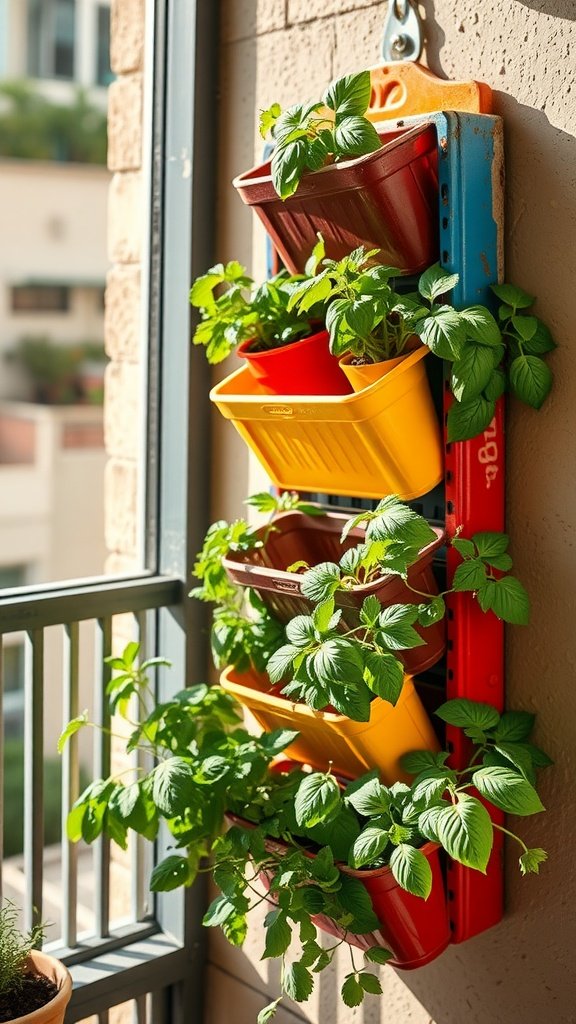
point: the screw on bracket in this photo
(403, 36)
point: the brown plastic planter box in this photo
(386, 200)
(315, 539)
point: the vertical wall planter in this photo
(315, 539)
(384, 440)
(386, 200)
(328, 737)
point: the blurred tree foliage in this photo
(34, 128)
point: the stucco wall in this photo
(522, 971)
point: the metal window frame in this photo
(165, 956)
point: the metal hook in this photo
(403, 36)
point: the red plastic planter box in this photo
(314, 539)
(386, 200)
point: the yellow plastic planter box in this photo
(382, 440)
(327, 737)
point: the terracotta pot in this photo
(303, 367)
(316, 539)
(415, 930)
(386, 200)
(54, 1011)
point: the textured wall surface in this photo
(521, 972)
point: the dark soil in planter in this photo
(36, 991)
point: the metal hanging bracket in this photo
(403, 37)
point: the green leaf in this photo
(370, 611)
(278, 934)
(496, 386)
(508, 600)
(472, 372)
(351, 700)
(435, 282)
(468, 713)
(338, 660)
(355, 899)
(421, 760)
(288, 165)
(354, 136)
(300, 631)
(443, 332)
(352, 992)
(317, 799)
(411, 870)
(432, 612)
(515, 726)
(530, 380)
(323, 616)
(320, 582)
(463, 547)
(202, 291)
(507, 790)
(359, 316)
(268, 119)
(465, 831)
(171, 781)
(394, 520)
(512, 296)
(281, 664)
(170, 874)
(384, 675)
(531, 860)
(370, 983)
(369, 797)
(267, 1013)
(339, 833)
(220, 910)
(540, 342)
(297, 982)
(368, 846)
(469, 575)
(378, 955)
(75, 725)
(276, 741)
(525, 326)
(349, 94)
(490, 544)
(481, 325)
(470, 418)
(431, 785)
(395, 629)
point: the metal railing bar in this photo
(139, 846)
(33, 775)
(70, 782)
(1, 764)
(51, 606)
(102, 746)
(90, 947)
(104, 1017)
(124, 974)
(140, 1015)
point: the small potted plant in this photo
(331, 171)
(34, 987)
(287, 351)
(358, 859)
(344, 722)
(370, 325)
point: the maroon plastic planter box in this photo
(386, 200)
(314, 539)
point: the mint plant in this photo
(365, 316)
(488, 356)
(309, 135)
(243, 631)
(293, 832)
(240, 312)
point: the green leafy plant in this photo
(309, 135)
(294, 829)
(34, 128)
(243, 631)
(488, 356)
(365, 316)
(322, 664)
(240, 312)
(15, 948)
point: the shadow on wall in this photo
(555, 8)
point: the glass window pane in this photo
(103, 72)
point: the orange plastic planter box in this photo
(327, 737)
(382, 440)
(315, 539)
